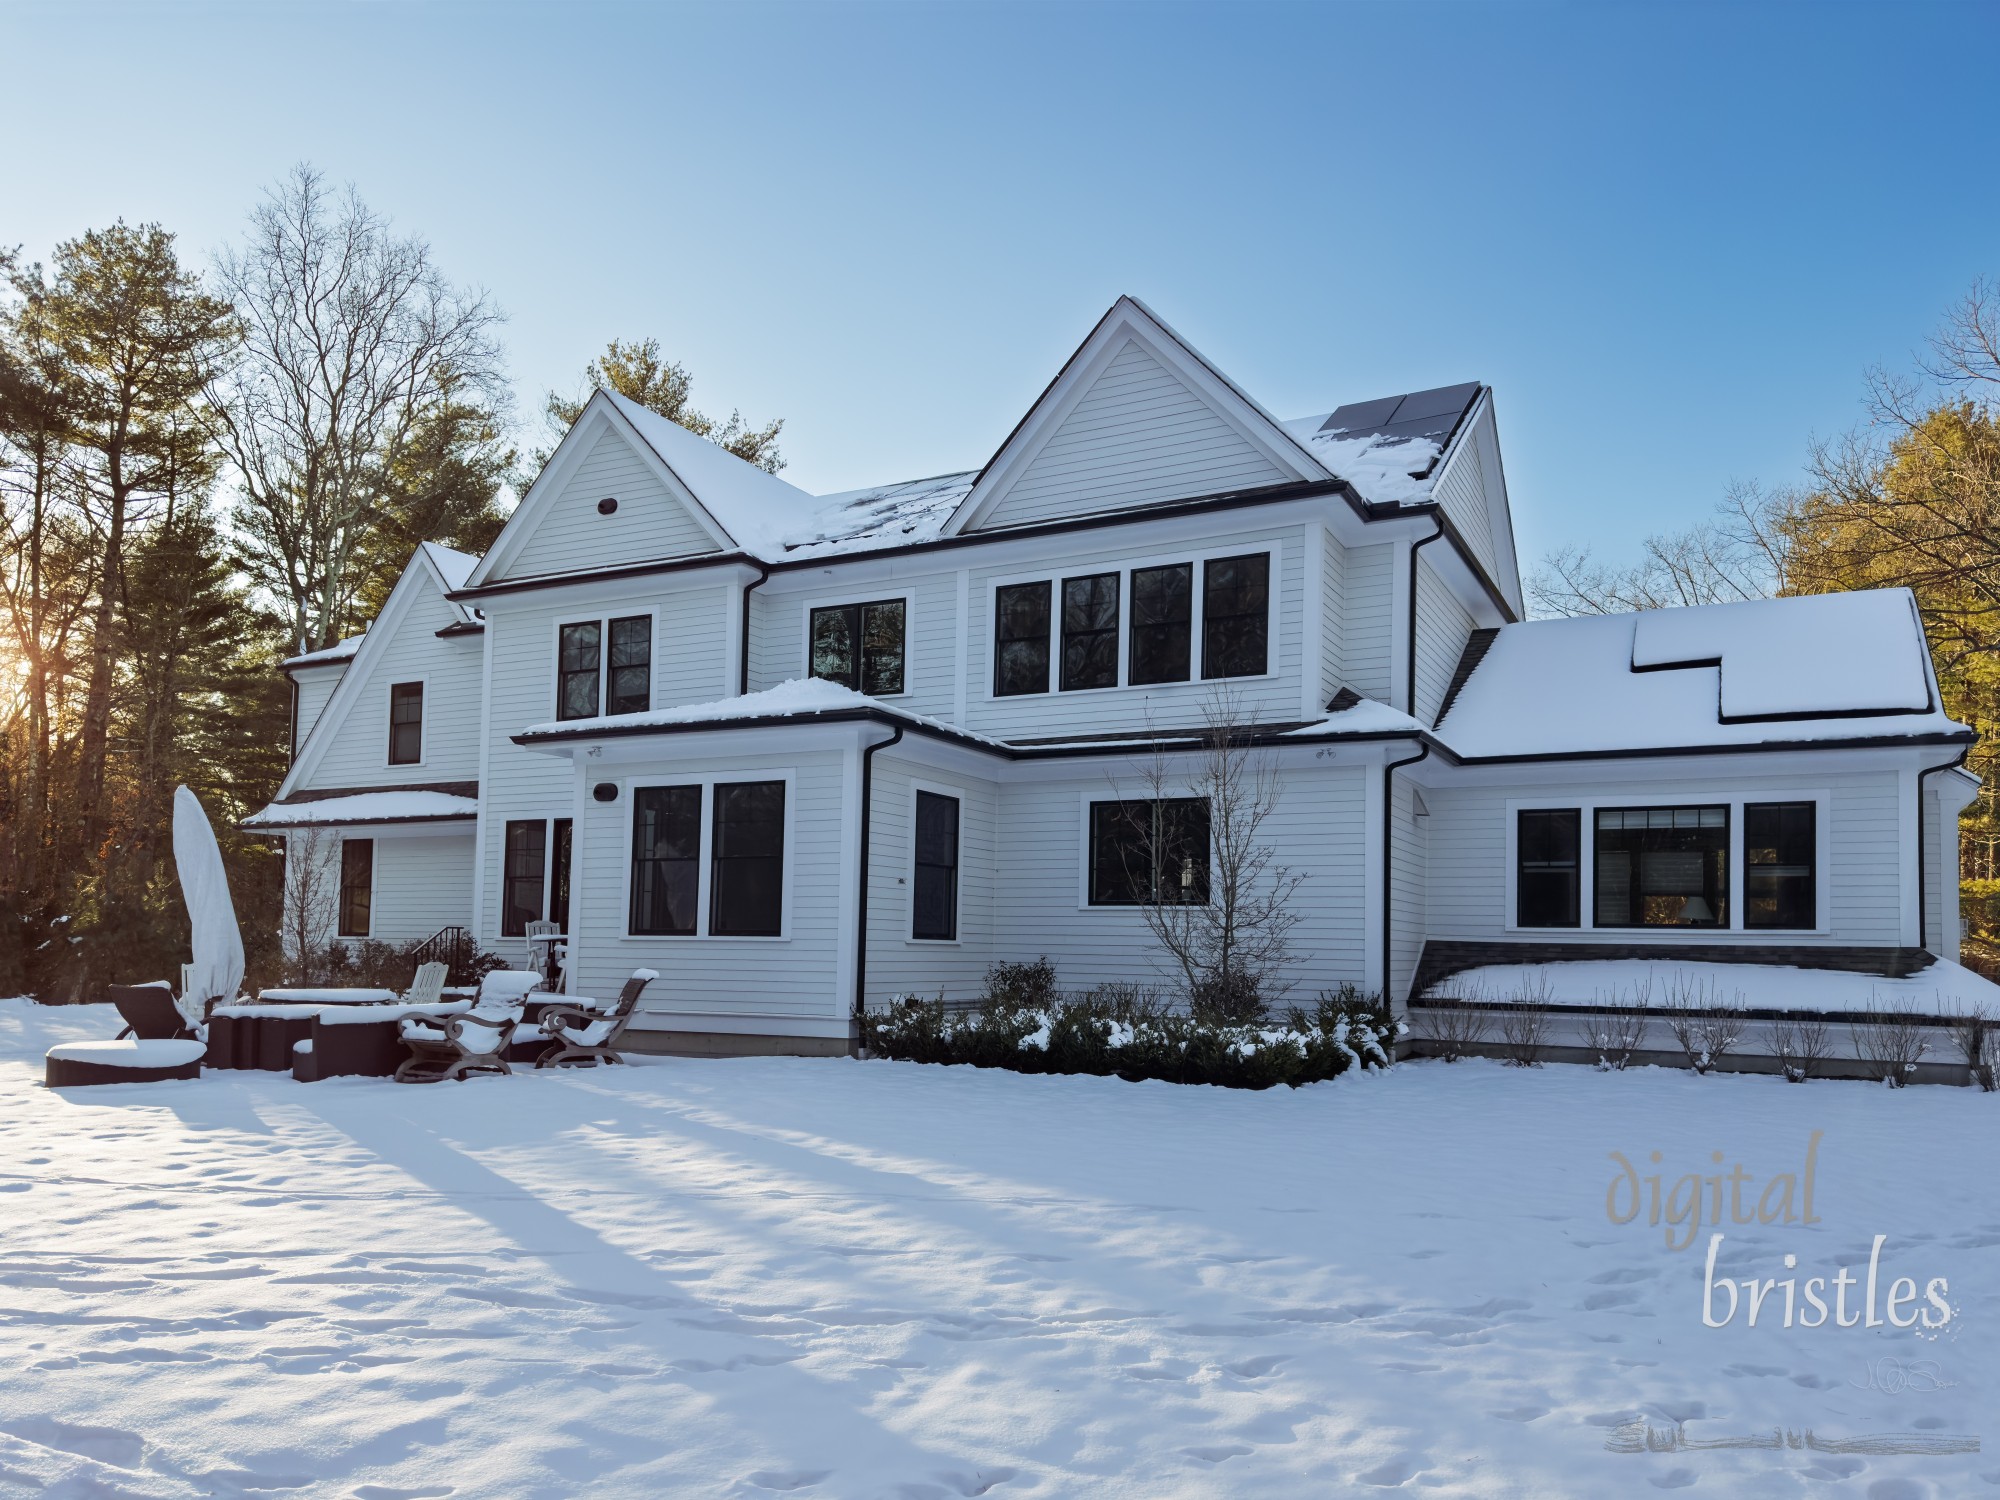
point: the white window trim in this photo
(602, 618)
(423, 725)
(1117, 793)
(707, 781)
(1196, 557)
(957, 794)
(340, 884)
(548, 868)
(836, 601)
(1734, 799)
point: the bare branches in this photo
(1706, 1026)
(1892, 1045)
(1742, 553)
(1802, 1048)
(353, 339)
(1614, 1038)
(1974, 1032)
(1452, 1028)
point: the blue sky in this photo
(1672, 237)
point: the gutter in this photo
(861, 894)
(1389, 868)
(1410, 691)
(743, 646)
(1922, 892)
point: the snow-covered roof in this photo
(799, 698)
(889, 515)
(1388, 448)
(453, 568)
(365, 807)
(1942, 988)
(1842, 666)
(1365, 717)
(339, 651)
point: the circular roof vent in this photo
(606, 506)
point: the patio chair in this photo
(587, 1031)
(149, 1011)
(542, 939)
(473, 1041)
(427, 988)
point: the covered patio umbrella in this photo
(217, 970)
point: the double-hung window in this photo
(745, 876)
(406, 724)
(860, 646)
(1235, 615)
(357, 887)
(587, 676)
(1778, 859)
(1021, 639)
(1548, 844)
(1162, 623)
(1149, 852)
(1090, 632)
(1661, 867)
(934, 897)
(524, 872)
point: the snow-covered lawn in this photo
(882, 1279)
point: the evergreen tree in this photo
(638, 372)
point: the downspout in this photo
(743, 645)
(1922, 892)
(1389, 866)
(861, 903)
(1410, 691)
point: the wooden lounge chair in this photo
(473, 1041)
(148, 1011)
(587, 1031)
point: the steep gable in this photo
(1136, 417)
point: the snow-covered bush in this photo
(1892, 1043)
(1124, 1031)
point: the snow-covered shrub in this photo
(1614, 1038)
(1123, 1031)
(1892, 1044)
(1706, 1025)
(1455, 1024)
(1975, 1032)
(1802, 1048)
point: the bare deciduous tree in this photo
(353, 340)
(1740, 554)
(1230, 944)
(312, 886)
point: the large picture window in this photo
(1162, 618)
(1021, 639)
(1662, 867)
(1090, 632)
(1548, 847)
(747, 860)
(1149, 852)
(860, 646)
(357, 886)
(1778, 860)
(406, 724)
(934, 898)
(1235, 616)
(666, 860)
(526, 869)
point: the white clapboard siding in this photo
(1318, 830)
(690, 665)
(1443, 627)
(930, 632)
(315, 686)
(1332, 618)
(768, 979)
(1409, 873)
(1467, 879)
(422, 883)
(897, 964)
(1139, 435)
(1273, 698)
(1366, 626)
(357, 752)
(651, 522)
(1940, 865)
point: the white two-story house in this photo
(802, 753)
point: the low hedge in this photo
(1116, 1034)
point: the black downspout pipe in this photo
(1389, 868)
(1410, 691)
(743, 645)
(861, 921)
(1922, 893)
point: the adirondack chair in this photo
(148, 1011)
(473, 1041)
(543, 939)
(587, 1031)
(427, 988)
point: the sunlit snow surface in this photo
(871, 1279)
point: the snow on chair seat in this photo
(587, 1031)
(128, 1060)
(473, 1041)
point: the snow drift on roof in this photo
(889, 515)
(1817, 654)
(338, 651)
(800, 697)
(365, 807)
(1365, 717)
(1384, 468)
(758, 510)
(1555, 687)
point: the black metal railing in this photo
(453, 947)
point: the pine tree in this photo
(638, 372)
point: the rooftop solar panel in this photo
(1433, 414)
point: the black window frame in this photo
(651, 872)
(1715, 890)
(572, 669)
(1214, 621)
(355, 893)
(864, 656)
(1159, 628)
(622, 660)
(1033, 645)
(1536, 859)
(1091, 644)
(1758, 872)
(934, 880)
(728, 867)
(1110, 879)
(522, 841)
(400, 727)
(562, 845)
